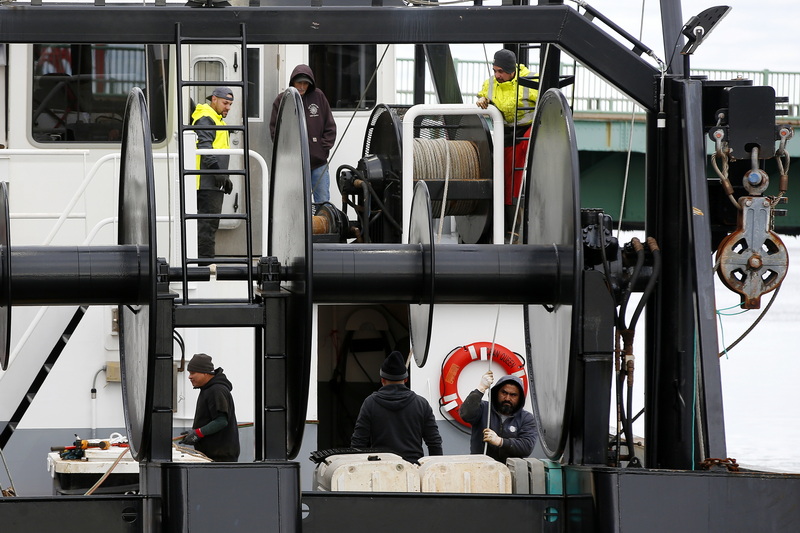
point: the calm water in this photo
(760, 376)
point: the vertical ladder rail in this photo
(245, 171)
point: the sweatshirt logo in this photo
(512, 429)
(313, 110)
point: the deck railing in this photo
(590, 94)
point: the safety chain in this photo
(729, 463)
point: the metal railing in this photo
(590, 94)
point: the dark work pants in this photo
(208, 201)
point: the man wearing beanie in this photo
(215, 431)
(395, 417)
(516, 103)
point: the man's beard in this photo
(506, 408)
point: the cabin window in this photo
(254, 83)
(80, 91)
(343, 72)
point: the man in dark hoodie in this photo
(215, 430)
(321, 128)
(395, 417)
(511, 430)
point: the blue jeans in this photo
(321, 184)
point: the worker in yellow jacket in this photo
(516, 103)
(210, 187)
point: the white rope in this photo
(491, 357)
(630, 145)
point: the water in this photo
(759, 376)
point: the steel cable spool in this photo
(462, 142)
(441, 159)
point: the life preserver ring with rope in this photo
(460, 357)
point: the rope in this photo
(108, 473)
(491, 357)
(11, 490)
(460, 160)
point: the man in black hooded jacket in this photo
(509, 430)
(215, 430)
(321, 128)
(395, 417)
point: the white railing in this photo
(590, 94)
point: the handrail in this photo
(89, 177)
(590, 94)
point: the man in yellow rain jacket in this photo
(506, 94)
(210, 187)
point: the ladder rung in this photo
(211, 83)
(203, 127)
(220, 216)
(213, 171)
(210, 40)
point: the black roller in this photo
(553, 218)
(137, 323)
(5, 276)
(420, 232)
(289, 240)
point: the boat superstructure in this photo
(298, 296)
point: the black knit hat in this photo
(201, 363)
(394, 367)
(506, 60)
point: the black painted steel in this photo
(561, 25)
(289, 240)
(69, 275)
(493, 274)
(228, 497)
(137, 323)
(439, 512)
(5, 273)
(711, 419)
(74, 514)
(553, 217)
(420, 234)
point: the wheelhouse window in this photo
(80, 91)
(343, 72)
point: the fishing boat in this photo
(105, 297)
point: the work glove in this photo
(228, 187)
(492, 438)
(191, 438)
(486, 381)
(221, 181)
(483, 102)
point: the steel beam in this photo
(559, 25)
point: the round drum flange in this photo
(290, 241)
(420, 232)
(5, 276)
(137, 323)
(553, 218)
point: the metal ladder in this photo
(192, 173)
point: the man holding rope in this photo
(504, 430)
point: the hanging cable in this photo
(358, 106)
(489, 402)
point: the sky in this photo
(755, 35)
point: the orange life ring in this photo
(460, 357)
